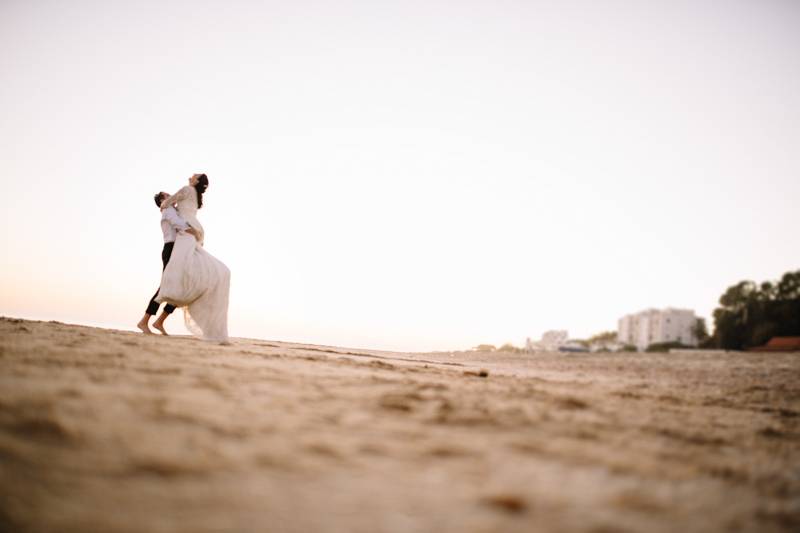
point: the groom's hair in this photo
(159, 197)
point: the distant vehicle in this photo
(573, 348)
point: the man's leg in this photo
(152, 309)
(166, 253)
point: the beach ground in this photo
(113, 431)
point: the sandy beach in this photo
(113, 431)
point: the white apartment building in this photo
(657, 325)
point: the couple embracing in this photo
(191, 278)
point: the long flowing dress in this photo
(194, 279)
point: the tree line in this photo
(750, 314)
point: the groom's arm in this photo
(175, 220)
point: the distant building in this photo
(551, 341)
(657, 325)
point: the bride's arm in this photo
(180, 195)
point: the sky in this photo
(401, 175)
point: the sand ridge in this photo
(104, 430)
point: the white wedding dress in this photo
(194, 279)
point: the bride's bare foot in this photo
(142, 325)
(160, 327)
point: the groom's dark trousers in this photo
(152, 307)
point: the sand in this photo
(113, 431)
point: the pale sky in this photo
(401, 175)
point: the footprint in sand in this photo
(510, 503)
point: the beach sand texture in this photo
(112, 431)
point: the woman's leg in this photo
(159, 323)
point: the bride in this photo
(194, 279)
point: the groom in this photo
(171, 224)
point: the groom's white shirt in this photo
(171, 223)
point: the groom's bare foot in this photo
(142, 325)
(160, 327)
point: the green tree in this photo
(508, 347)
(700, 331)
(665, 346)
(605, 336)
(788, 287)
(750, 314)
(485, 348)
